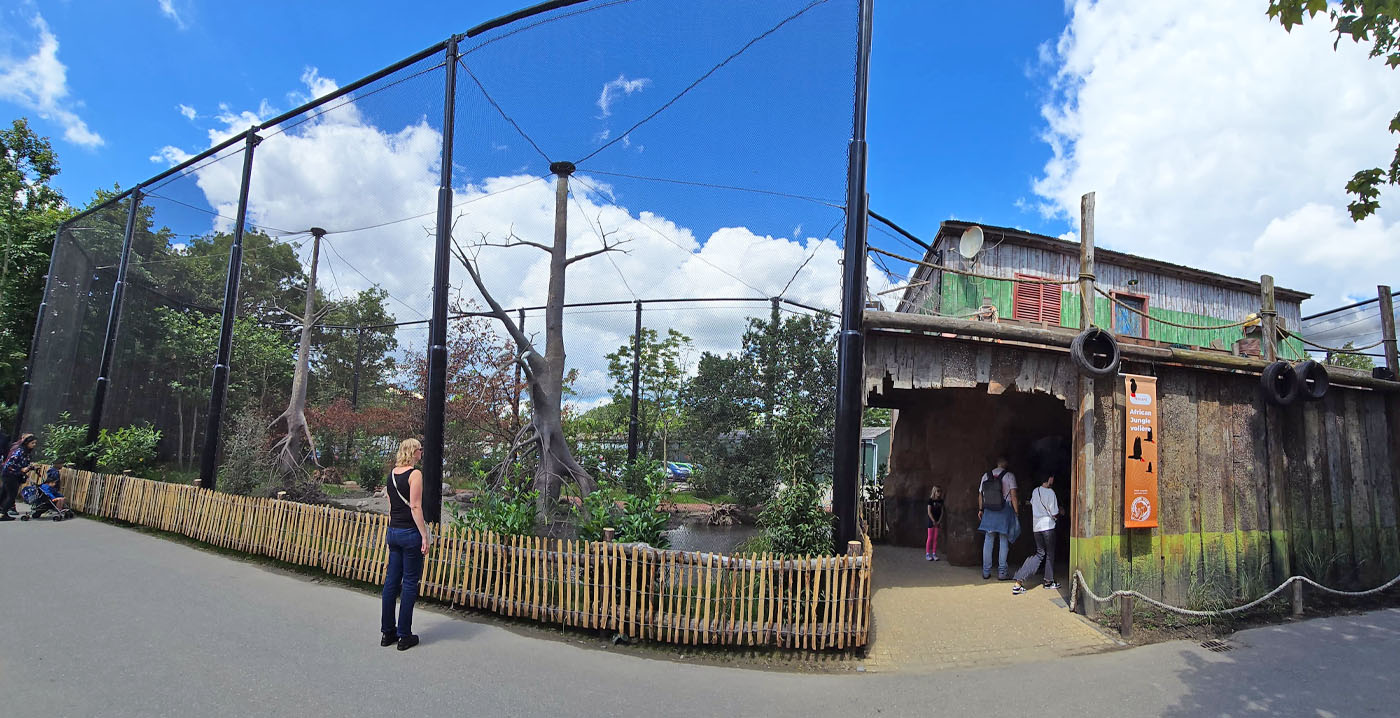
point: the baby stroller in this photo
(41, 503)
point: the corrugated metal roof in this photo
(873, 432)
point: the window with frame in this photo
(1032, 302)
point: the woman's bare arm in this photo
(415, 505)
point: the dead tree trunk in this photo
(288, 450)
(545, 373)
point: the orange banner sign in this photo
(1140, 457)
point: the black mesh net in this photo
(67, 359)
(709, 145)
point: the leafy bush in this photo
(64, 441)
(642, 518)
(371, 465)
(247, 461)
(795, 522)
(128, 448)
(642, 476)
(597, 511)
(507, 510)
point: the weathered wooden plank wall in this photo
(1250, 494)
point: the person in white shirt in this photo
(1044, 508)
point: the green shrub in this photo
(507, 510)
(247, 461)
(639, 520)
(641, 476)
(128, 448)
(371, 466)
(597, 511)
(795, 522)
(64, 441)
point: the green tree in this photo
(335, 350)
(1351, 361)
(30, 211)
(664, 366)
(733, 403)
(1373, 21)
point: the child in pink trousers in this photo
(935, 519)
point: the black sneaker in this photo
(1051, 584)
(6, 517)
(388, 638)
(407, 642)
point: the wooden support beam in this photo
(1297, 599)
(1082, 504)
(1125, 617)
(1059, 337)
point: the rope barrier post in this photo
(1125, 616)
(1388, 330)
(609, 534)
(1297, 599)
(1268, 342)
(854, 548)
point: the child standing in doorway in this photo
(935, 519)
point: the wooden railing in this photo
(813, 602)
(874, 513)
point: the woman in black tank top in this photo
(408, 541)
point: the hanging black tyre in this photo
(1280, 384)
(1312, 380)
(1095, 353)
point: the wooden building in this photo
(1249, 492)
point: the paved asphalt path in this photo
(119, 623)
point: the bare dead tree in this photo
(289, 453)
(544, 372)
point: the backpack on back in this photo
(992, 499)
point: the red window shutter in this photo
(1035, 302)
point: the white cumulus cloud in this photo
(187, 111)
(39, 82)
(1215, 139)
(341, 171)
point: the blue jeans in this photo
(1001, 555)
(401, 582)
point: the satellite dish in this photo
(971, 242)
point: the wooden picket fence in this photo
(813, 602)
(873, 512)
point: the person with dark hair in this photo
(997, 509)
(18, 462)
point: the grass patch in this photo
(690, 497)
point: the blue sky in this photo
(1212, 137)
(954, 122)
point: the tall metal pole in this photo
(22, 405)
(1388, 330)
(636, 386)
(437, 329)
(770, 369)
(359, 361)
(218, 391)
(851, 343)
(109, 344)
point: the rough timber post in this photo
(1388, 330)
(1268, 314)
(1082, 504)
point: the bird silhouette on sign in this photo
(1132, 387)
(1137, 449)
(1149, 435)
(1149, 467)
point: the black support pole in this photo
(218, 390)
(433, 427)
(109, 344)
(636, 386)
(22, 405)
(851, 343)
(359, 361)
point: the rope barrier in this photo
(1088, 592)
(1168, 322)
(1334, 350)
(1059, 282)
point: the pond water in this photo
(699, 536)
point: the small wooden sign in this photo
(1140, 467)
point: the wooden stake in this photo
(1268, 313)
(1297, 599)
(1388, 330)
(1125, 617)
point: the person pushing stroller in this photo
(46, 497)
